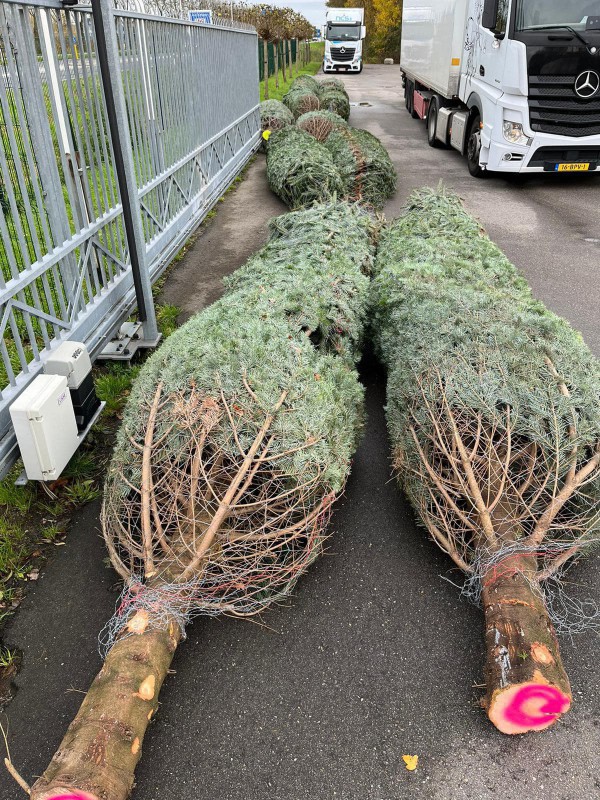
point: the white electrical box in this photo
(72, 360)
(45, 426)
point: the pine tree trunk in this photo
(527, 686)
(98, 755)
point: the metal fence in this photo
(286, 50)
(190, 94)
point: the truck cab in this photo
(517, 88)
(344, 33)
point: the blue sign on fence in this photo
(205, 17)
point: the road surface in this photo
(376, 655)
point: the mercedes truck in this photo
(513, 85)
(344, 33)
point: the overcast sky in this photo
(313, 10)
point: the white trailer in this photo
(344, 33)
(512, 84)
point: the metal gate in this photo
(190, 98)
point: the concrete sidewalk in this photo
(238, 230)
(375, 656)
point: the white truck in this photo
(344, 33)
(512, 84)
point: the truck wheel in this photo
(474, 148)
(432, 116)
(410, 88)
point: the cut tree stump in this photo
(103, 744)
(527, 686)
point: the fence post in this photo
(108, 59)
(271, 54)
(266, 67)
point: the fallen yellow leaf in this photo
(266, 135)
(411, 762)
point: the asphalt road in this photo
(376, 655)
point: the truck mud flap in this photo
(421, 102)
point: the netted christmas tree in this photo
(300, 170)
(336, 100)
(307, 82)
(329, 82)
(325, 300)
(495, 423)
(274, 115)
(319, 124)
(307, 94)
(364, 165)
(300, 99)
(235, 442)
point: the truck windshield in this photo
(343, 33)
(540, 14)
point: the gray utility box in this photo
(72, 360)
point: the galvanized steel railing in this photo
(191, 100)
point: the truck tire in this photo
(410, 88)
(432, 115)
(474, 148)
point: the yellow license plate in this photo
(572, 167)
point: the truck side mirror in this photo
(363, 31)
(324, 31)
(490, 14)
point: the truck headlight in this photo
(513, 133)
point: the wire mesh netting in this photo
(364, 165)
(319, 124)
(335, 100)
(273, 117)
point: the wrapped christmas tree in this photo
(495, 424)
(235, 442)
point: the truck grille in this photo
(555, 108)
(554, 155)
(337, 55)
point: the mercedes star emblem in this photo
(587, 84)
(342, 49)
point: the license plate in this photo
(572, 167)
